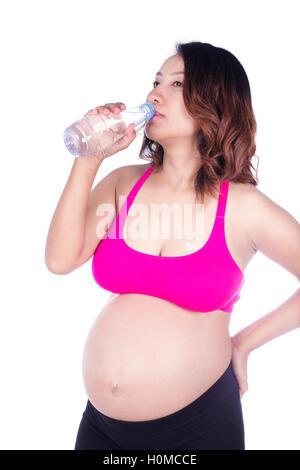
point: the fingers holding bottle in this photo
(108, 109)
(111, 110)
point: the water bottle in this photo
(94, 133)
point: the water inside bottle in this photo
(79, 140)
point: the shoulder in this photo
(245, 203)
(133, 169)
(129, 174)
(253, 200)
(250, 203)
(248, 196)
(273, 230)
(241, 188)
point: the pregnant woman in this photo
(159, 366)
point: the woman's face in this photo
(176, 125)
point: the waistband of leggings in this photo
(218, 389)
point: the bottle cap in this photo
(148, 109)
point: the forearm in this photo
(276, 323)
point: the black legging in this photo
(214, 421)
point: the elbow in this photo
(54, 268)
(57, 271)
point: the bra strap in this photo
(137, 186)
(222, 198)
(129, 200)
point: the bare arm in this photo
(73, 235)
(277, 322)
(68, 230)
(276, 233)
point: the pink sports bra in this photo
(206, 280)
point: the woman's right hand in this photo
(110, 109)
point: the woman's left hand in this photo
(239, 363)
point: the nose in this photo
(153, 97)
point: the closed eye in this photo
(176, 81)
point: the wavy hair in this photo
(216, 93)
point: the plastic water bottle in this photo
(94, 133)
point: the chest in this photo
(170, 224)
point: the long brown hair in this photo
(217, 95)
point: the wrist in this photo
(88, 163)
(240, 345)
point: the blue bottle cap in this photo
(148, 109)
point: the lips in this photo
(157, 115)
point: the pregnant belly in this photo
(145, 358)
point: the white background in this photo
(58, 60)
